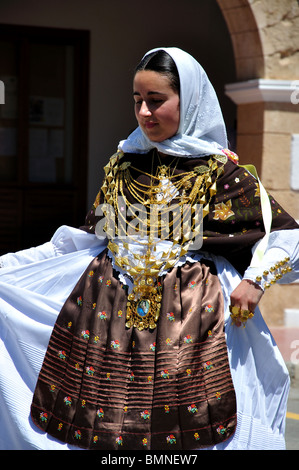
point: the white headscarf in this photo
(202, 129)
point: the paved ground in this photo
(287, 340)
(292, 422)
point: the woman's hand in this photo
(246, 296)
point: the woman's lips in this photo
(150, 125)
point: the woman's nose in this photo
(144, 109)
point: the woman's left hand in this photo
(246, 296)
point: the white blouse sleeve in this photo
(65, 240)
(280, 263)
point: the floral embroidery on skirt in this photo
(104, 386)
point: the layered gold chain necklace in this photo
(135, 239)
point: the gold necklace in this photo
(194, 187)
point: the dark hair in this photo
(161, 62)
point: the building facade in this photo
(265, 38)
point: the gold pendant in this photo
(144, 304)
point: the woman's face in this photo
(157, 105)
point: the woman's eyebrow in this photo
(149, 93)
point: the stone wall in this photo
(265, 38)
(278, 23)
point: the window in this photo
(43, 133)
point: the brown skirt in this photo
(105, 386)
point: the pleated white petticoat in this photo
(31, 297)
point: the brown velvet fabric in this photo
(104, 386)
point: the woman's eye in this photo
(152, 102)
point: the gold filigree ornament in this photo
(144, 304)
(144, 301)
(239, 315)
(143, 265)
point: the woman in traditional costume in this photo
(160, 343)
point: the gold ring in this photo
(234, 310)
(240, 315)
(244, 312)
